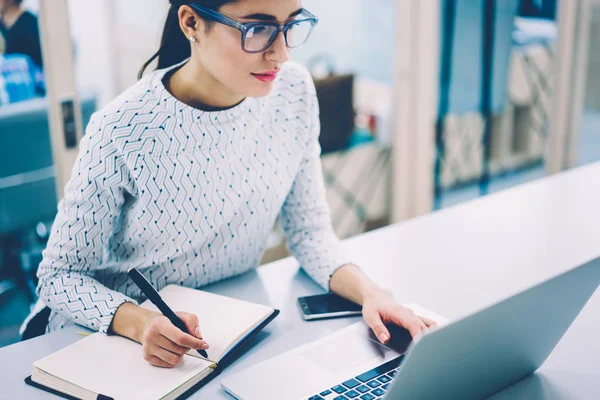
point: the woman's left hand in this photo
(380, 308)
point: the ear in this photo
(189, 22)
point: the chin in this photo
(259, 89)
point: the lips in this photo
(268, 76)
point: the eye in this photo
(259, 30)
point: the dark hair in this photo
(174, 46)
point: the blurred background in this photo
(424, 104)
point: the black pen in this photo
(155, 298)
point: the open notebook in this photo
(104, 367)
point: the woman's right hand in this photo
(165, 344)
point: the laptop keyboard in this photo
(371, 385)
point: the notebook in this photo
(112, 367)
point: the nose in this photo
(278, 52)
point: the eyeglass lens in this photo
(260, 37)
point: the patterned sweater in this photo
(187, 196)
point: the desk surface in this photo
(453, 262)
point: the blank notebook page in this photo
(114, 366)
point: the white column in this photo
(57, 51)
(415, 104)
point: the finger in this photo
(181, 338)
(429, 322)
(168, 357)
(373, 319)
(167, 344)
(418, 327)
(409, 321)
(157, 362)
(191, 323)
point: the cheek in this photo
(231, 66)
(224, 57)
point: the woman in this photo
(184, 175)
(20, 31)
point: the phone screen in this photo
(329, 303)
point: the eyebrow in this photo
(267, 17)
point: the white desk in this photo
(452, 262)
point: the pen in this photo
(155, 298)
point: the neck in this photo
(11, 14)
(193, 85)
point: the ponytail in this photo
(174, 46)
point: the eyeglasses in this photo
(259, 36)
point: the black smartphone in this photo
(327, 305)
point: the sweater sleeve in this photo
(86, 218)
(305, 215)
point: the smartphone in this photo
(327, 305)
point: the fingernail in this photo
(382, 337)
(205, 346)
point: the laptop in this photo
(470, 358)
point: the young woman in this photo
(184, 175)
(20, 32)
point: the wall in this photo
(138, 27)
(109, 30)
(93, 47)
(356, 34)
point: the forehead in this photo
(280, 9)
